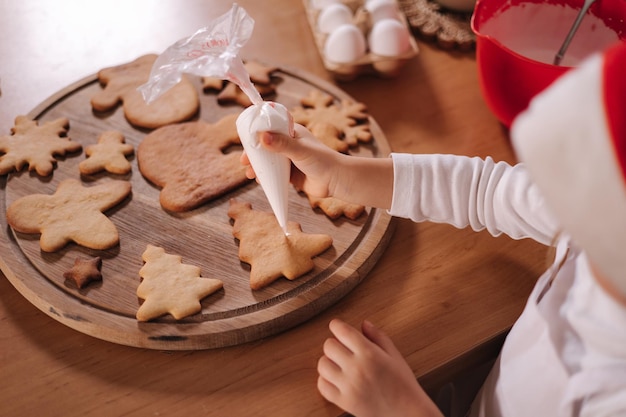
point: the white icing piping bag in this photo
(213, 52)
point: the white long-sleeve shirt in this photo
(566, 354)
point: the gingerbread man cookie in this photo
(109, 154)
(72, 214)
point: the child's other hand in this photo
(363, 373)
(314, 161)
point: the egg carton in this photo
(370, 63)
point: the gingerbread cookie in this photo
(84, 271)
(333, 123)
(72, 214)
(233, 94)
(212, 83)
(120, 83)
(260, 75)
(109, 154)
(188, 162)
(335, 208)
(271, 254)
(169, 286)
(35, 146)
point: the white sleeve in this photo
(475, 192)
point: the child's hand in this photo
(365, 375)
(323, 172)
(314, 161)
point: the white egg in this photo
(320, 4)
(389, 37)
(345, 44)
(333, 16)
(382, 9)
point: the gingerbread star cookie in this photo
(188, 161)
(72, 214)
(169, 286)
(35, 146)
(270, 253)
(109, 154)
(338, 125)
(84, 271)
(177, 104)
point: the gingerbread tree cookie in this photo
(337, 125)
(271, 254)
(72, 214)
(169, 286)
(120, 83)
(35, 146)
(189, 162)
(109, 154)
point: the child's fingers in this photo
(277, 142)
(328, 369)
(331, 376)
(328, 390)
(244, 158)
(288, 146)
(250, 174)
(347, 335)
(379, 337)
(337, 352)
(245, 161)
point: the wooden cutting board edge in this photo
(88, 319)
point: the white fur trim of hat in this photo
(572, 139)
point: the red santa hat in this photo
(572, 139)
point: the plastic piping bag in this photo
(213, 51)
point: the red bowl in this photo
(516, 41)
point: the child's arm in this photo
(453, 189)
(364, 373)
(471, 191)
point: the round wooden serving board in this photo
(203, 237)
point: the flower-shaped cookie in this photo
(35, 145)
(337, 125)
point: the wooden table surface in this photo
(445, 296)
